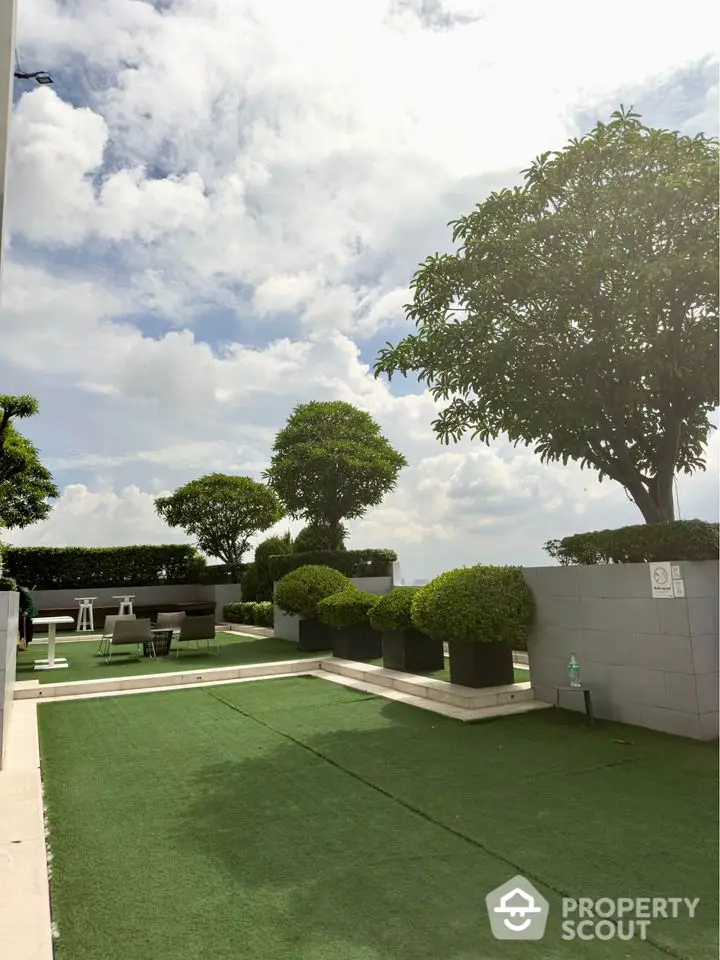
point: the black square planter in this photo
(410, 651)
(314, 636)
(481, 664)
(359, 642)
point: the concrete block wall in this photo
(9, 604)
(286, 626)
(655, 659)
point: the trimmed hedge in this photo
(392, 612)
(55, 568)
(7, 585)
(641, 543)
(348, 608)
(300, 591)
(257, 582)
(249, 613)
(352, 563)
(475, 605)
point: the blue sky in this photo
(217, 208)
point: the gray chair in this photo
(127, 633)
(170, 621)
(195, 629)
(110, 622)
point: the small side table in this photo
(587, 690)
(85, 614)
(161, 643)
(126, 604)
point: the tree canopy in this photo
(330, 463)
(223, 513)
(579, 314)
(26, 486)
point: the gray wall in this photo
(220, 594)
(8, 651)
(286, 626)
(656, 659)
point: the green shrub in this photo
(56, 568)
(300, 591)
(257, 583)
(475, 605)
(263, 614)
(318, 537)
(393, 610)
(349, 608)
(353, 563)
(239, 613)
(641, 543)
(7, 584)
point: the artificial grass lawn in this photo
(296, 819)
(84, 664)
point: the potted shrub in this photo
(404, 647)
(300, 591)
(482, 613)
(346, 613)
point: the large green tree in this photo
(223, 513)
(330, 463)
(579, 314)
(26, 486)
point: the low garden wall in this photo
(53, 601)
(286, 626)
(652, 645)
(8, 650)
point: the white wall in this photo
(9, 605)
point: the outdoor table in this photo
(162, 641)
(586, 690)
(125, 607)
(52, 662)
(85, 614)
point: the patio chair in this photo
(197, 629)
(128, 632)
(110, 622)
(170, 621)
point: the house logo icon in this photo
(517, 911)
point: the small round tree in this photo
(300, 591)
(392, 612)
(349, 608)
(404, 647)
(483, 613)
(320, 536)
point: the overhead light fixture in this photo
(41, 76)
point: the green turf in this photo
(84, 664)
(296, 819)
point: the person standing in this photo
(28, 610)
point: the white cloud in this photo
(275, 161)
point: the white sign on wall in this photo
(661, 581)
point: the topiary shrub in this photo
(393, 611)
(257, 581)
(353, 563)
(319, 536)
(263, 614)
(475, 605)
(300, 591)
(239, 613)
(640, 543)
(349, 608)
(7, 585)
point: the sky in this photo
(215, 212)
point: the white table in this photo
(52, 663)
(125, 604)
(85, 614)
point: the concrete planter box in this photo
(410, 651)
(655, 659)
(314, 636)
(481, 664)
(359, 642)
(9, 609)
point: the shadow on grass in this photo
(384, 841)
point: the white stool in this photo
(85, 614)
(126, 606)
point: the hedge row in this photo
(353, 563)
(56, 568)
(642, 543)
(250, 614)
